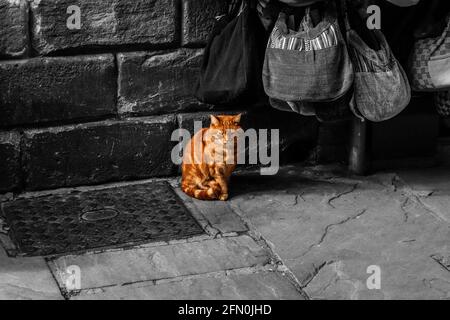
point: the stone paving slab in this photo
(216, 215)
(259, 286)
(162, 262)
(329, 230)
(220, 216)
(26, 279)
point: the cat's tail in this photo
(202, 194)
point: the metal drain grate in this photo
(93, 219)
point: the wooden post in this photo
(358, 163)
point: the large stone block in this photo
(63, 88)
(9, 161)
(158, 82)
(98, 152)
(13, 28)
(199, 17)
(103, 23)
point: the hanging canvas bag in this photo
(233, 58)
(430, 63)
(311, 64)
(381, 87)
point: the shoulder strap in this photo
(306, 20)
(435, 47)
(235, 7)
(342, 13)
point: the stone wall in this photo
(99, 104)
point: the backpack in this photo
(232, 63)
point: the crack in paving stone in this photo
(416, 197)
(403, 209)
(429, 209)
(342, 194)
(269, 268)
(332, 281)
(270, 247)
(212, 231)
(341, 276)
(327, 230)
(316, 272)
(408, 241)
(299, 196)
(402, 186)
(443, 261)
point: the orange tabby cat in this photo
(207, 163)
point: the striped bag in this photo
(311, 64)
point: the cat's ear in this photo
(215, 121)
(237, 119)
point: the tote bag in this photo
(309, 65)
(232, 63)
(430, 63)
(442, 102)
(381, 87)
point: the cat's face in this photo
(224, 128)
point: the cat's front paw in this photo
(223, 197)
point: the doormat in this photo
(86, 220)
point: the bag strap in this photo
(345, 17)
(441, 40)
(342, 16)
(306, 21)
(235, 7)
